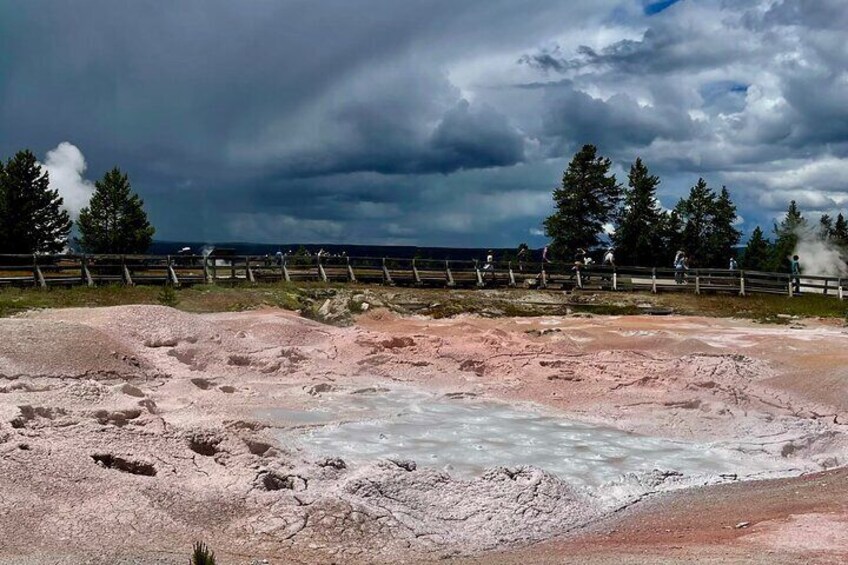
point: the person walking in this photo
(609, 258)
(580, 256)
(521, 257)
(680, 267)
(795, 267)
(733, 264)
(489, 267)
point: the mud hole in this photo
(124, 465)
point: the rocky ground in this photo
(127, 433)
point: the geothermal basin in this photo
(128, 433)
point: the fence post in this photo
(86, 274)
(544, 277)
(172, 275)
(698, 281)
(579, 279)
(741, 283)
(654, 280)
(511, 275)
(285, 268)
(37, 275)
(448, 274)
(249, 270)
(350, 276)
(127, 277)
(387, 277)
(789, 286)
(825, 286)
(479, 275)
(321, 272)
(614, 279)
(839, 291)
(415, 275)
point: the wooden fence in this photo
(45, 271)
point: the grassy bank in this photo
(433, 302)
(200, 298)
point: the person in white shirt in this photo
(609, 258)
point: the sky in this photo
(423, 122)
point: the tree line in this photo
(703, 224)
(32, 218)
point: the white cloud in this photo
(66, 166)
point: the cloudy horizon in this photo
(423, 123)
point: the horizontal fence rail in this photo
(45, 271)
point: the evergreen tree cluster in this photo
(32, 219)
(590, 198)
(702, 225)
(31, 216)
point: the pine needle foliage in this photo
(201, 555)
(115, 220)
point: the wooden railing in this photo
(69, 270)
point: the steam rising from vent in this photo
(66, 166)
(819, 256)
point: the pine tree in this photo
(115, 220)
(584, 202)
(724, 236)
(2, 206)
(31, 216)
(758, 252)
(786, 237)
(671, 236)
(638, 232)
(840, 232)
(695, 211)
(708, 232)
(826, 227)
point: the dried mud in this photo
(127, 433)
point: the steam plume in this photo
(819, 256)
(66, 166)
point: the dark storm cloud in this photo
(615, 124)
(377, 120)
(384, 140)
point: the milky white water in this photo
(466, 436)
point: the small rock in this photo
(315, 390)
(131, 390)
(742, 525)
(405, 464)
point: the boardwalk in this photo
(43, 271)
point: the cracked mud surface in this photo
(127, 433)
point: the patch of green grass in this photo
(201, 298)
(443, 303)
(764, 308)
(168, 296)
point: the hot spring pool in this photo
(466, 436)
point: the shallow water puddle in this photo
(466, 436)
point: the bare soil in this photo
(127, 433)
